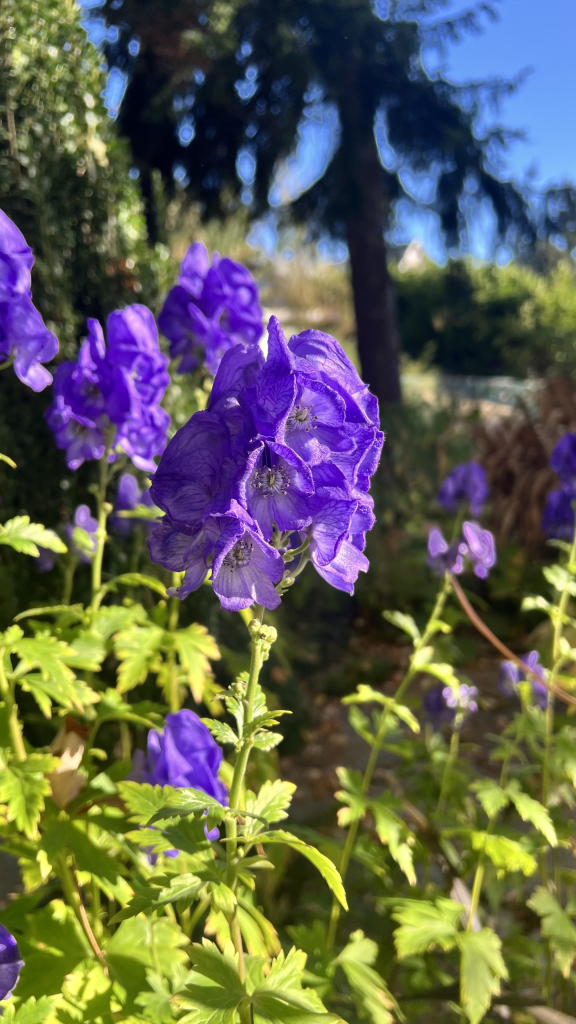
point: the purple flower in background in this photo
(443, 557)
(435, 706)
(10, 962)
(479, 548)
(23, 333)
(46, 559)
(185, 754)
(511, 675)
(563, 458)
(466, 483)
(558, 517)
(442, 703)
(81, 534)
(128, 497)
(112, 392)
(280, 460)
(463, 699)
(210, 310)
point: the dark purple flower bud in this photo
(128, 497)
(479, 548)
(210, 310)
(443, 557)
(563, 458)
(23, 333)
(435, 706)
(82, 534)
(558, 517)
(511, 675)
(466, 483)
(10, 962)
(46, 559)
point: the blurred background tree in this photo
(64, 175)
(217, 86)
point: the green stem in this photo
(450, 761)
(69, 570)
(103, 510)
(479, 873)
(260, 637)
(125, 741)
(173, 617)
(556, 661)
(7, 691)
(195, 917)
(376, 747)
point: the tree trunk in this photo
(374, 293)
(377, 332)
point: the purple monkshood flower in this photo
(463, 699)
(23, 333)
(284, 451)
(466, 483)
(211, 309)
(81, 534)
(10, 962)
(478, 547)
(443, 557)
(442, 703)
(46, 559)
(185, 755)
(558, 517)
(435, 706)
(113, 389)
(511, 675)
(128, 497)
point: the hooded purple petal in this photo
(10, 962)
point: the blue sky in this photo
(522, 38)
(540, 34)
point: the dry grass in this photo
(515, 451)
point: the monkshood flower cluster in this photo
(477, 547)
(10, 962)
(558, 519)
(110, 398)
(211, 309)
(511, 675)
(275, 472)
(24, 336)
(442, 703)
(128, 496)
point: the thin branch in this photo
(483, 628)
